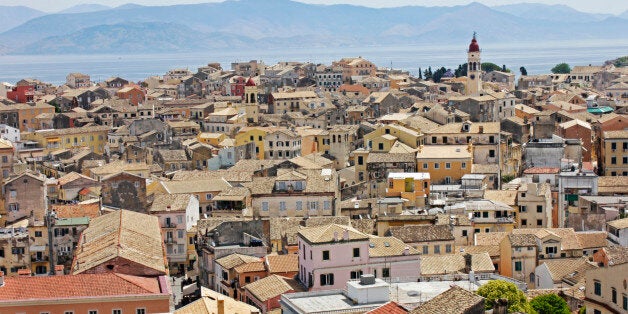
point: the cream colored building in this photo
(606, 290)
(535, 206)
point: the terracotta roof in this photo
(569, 240)
(364, 225)
(282, 263)
(518, 240)
(492, 250)
(453, 301)
(612, 184)
(207, 304)
(285, 227)
(452, 263)
(592, 239)
(389, 308)
(91, 210)
(541, 170)
(232, 260)
(616, 254)
(125, 234)
(474, 128)
(386, 157)
(73, 176)
(324, 221)
(508, 197)
(195, 186)
(619, 223)
(77, 286)
(389, 246)
(421, 233)
(559, 268)
(326, 234)
(272, 286)
(250, 267)
(170, 202)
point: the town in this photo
(317, 188)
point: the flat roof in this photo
(414, 175)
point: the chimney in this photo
(1, 278)
(406, 250)
(59, 270)
(220, 306)
(481, 129)
(345, 235)
(335, 236)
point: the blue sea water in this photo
(536, 57)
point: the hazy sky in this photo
(598, 6)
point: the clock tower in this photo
(474, 68)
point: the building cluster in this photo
(307, 188)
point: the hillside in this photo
(12, 16)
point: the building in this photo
(78, 80)
(178, 214)
(214, 302)
(25, 198)
(618, 231)
(518, 257)
(266, 292)
(7, 151)
(413, 187)
(446, 164)
(474, 68)
(613, 159)
(605, 290)
(430, 239)
(93, 137)
(326, 264)
(456, 300)
(85, 293)
(282, 143)
(535, 206)
(134, 94)
(122, 242)
(289, 101)
(124, 190)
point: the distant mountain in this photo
(624, 15)
(84, 8)
(556, 13)
(12, 16)
(281, 23)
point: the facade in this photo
(535, 206)
(282, 144)
(605, 291)
(93, 137)
(124, 190)
(446, 164)
(618, 231)
(614, 153)
(325, 263)
(78, 80)
(415, 187)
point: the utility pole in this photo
(51, 216)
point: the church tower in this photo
(250, 101)
(474, 68)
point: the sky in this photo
(598, 6)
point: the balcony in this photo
(35, 259)
(169, 225)
(169, 241)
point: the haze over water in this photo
(538, 58)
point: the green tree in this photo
(489, 67)
(438, 74)
(461, 70)
(550, 304)
(500, 289)
(504, 68)
(561, 68)
(523, 71)
(420, 74)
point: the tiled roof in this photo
(77, 287)
(364, 225)
(389, 246)
(612, 184)
(170, 202)
(69, 131)
(541, 170)
(474, 128)
(421, 233)
(326, 234)
(569, 240)
(451, 263)
(285, 227)
(619, 223)
(232, 260)
(592, 239)
(250, 267)
(561, 267)
(386, 157)
(282, 263)
(492, 250)
(271, 286)
(443, 152)
(507, 197)
(172, 154)
(389, 308)
(207, 304)
(125, 234)
(324, 221)
(616, 254)
(91, 210)
(518, 240)
(195, 186)
(456, 300)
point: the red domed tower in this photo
(474, 68)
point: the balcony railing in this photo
(169, 241)
(170, 225)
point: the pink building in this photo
(331, 255)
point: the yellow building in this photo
(313, 140)
(518, 254)
(413, 187)
(445, 163)
(213, 139)
(93, 137)
(614, 153)
(253, 134)
(382, 139)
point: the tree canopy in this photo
(500, 289)
(550, 304)
(561, 68)
(490, 67)
(523, 71)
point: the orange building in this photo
(85, 293)
(413, 187)
(28, 112)
(133, 93)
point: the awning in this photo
(53, 139)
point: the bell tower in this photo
(474, 68)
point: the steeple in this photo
(474, 68)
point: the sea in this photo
(536, 57)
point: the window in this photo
(68, 312)
(426, 249)
(464, 233)
(38, 234)
(424, 165)
(140, 311)
(447, 165)
(524, 222)
(180, 234)
(539, 222)
(597, 288)
(380, 146)
(313, 205)
(464, 165)
(385, 272)
(282, 206)
(625, 301)
(491, 153)
(247, 279)
(539, 208)
(326, 255)
(265, 206)
(360, 160)
(436, 165)
(436, 249)
(523, 208)
(447, 248)
(614, 295)
(2, 253)
(614, 160)
(92, 312)
(551, 250)
(484, 214)
(326, 205)
(518, 266)
(356, 274)
(208, 196)
(327, 279)
(356, 252)
(299, 205)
